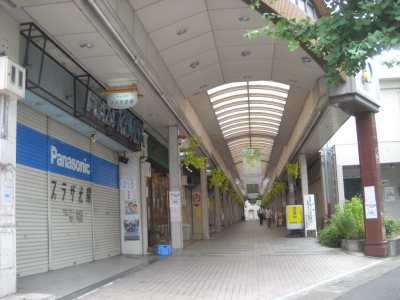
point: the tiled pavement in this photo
(244, 261)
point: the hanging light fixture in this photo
(121, 98)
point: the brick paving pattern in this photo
(244, 261)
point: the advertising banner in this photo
(251, 165)
(294, 217)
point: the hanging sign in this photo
(122, 98)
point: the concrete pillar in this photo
(292, 200)
(225, 202)
(131, 205)
(375, 239)
(143, 202)
(9, 37)
(175, 201)
(283, 197)
(303, 174)
(204, 203)
(8, 141)
(230, 206)
(217, 209)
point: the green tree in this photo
(352, 32)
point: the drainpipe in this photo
(327, 181)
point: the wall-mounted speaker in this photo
(123, 159)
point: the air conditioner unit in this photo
(184, 180)
(147, 169)
(12, 78)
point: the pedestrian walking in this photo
(260, 214)
(268, 216)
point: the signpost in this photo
(309, 214)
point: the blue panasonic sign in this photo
(68, 160)
(43, 152)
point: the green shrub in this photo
(392, 226)
(330, 236)
(346, 223)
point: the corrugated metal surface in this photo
(71, 221)
(82, 203)
(32, 221)
(105, 153)
(31, 193)
(32, 118)
(106, 203)
(107, 229)
(68, 135)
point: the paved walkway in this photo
(244, 261)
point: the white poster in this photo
(371, 210)
(309, 212)
(175, 199)
(176, 214)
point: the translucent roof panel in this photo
(249, 115)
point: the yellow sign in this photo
(294, 214)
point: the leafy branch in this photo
(275, 190)
(353, 32)
(218, 178)
(233, 194)
(190, 157)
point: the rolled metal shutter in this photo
(71, 205)
(71, 222)
(106, 204)
(31, 193)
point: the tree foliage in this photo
(354, 31)
(190, 157)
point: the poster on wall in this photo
(131, 210)
(176, 214)
(389, 193)
(371, 210)
(131, 229)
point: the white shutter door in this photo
(71, 221)
(32, 222)
(106, 204)
(31, 193)
(71, 204)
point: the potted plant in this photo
(154, 236)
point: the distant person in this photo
(260, 214)
(268, 215)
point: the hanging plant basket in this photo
(189, 154)
(293, 169)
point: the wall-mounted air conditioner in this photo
(147, 169)
(12, 78)
(184, 180)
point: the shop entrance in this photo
(158, 204)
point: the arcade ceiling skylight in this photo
(249, 114)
